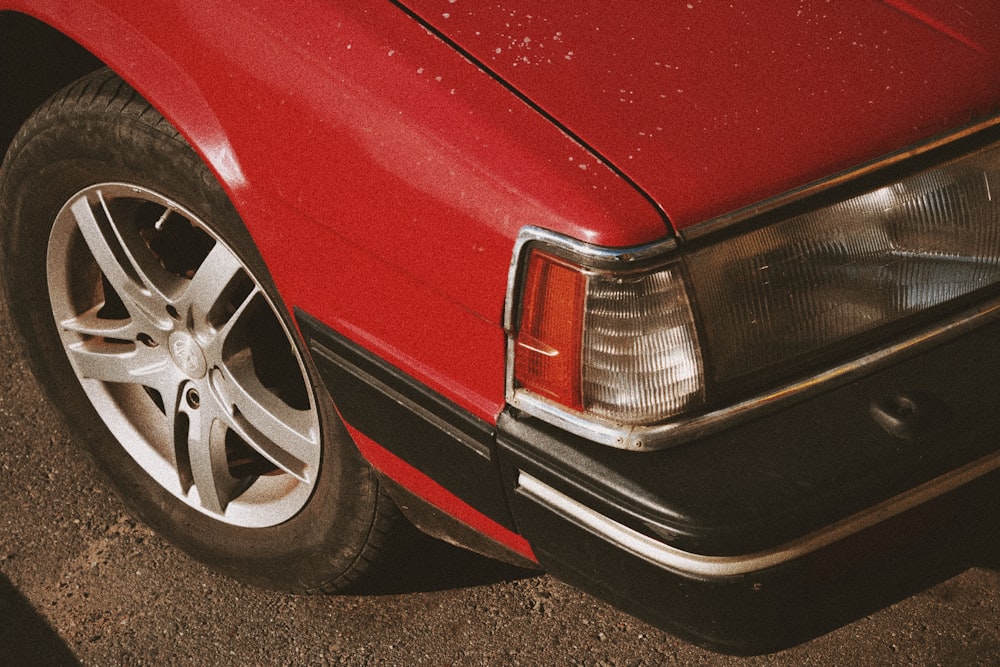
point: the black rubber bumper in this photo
(853, 496)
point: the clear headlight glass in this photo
(641, 359)
(792, 288)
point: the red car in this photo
(691, 304)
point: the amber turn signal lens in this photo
(548, 340)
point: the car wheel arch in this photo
(40, 55)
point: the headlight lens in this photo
(641, 360)
(790, 289)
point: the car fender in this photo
(357, 144)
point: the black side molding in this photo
(429, 432)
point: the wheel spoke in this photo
(206, 451)
(90, 324)
(207, 288)
(120, 362)
(142, 285)
(214, 348)
(284, 435)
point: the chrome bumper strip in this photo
(719, 567)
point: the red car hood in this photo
(711, 106)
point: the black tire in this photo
(326, 520)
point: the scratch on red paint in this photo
(934, 23)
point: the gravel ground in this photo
(81, 581)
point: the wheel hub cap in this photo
(187, 354)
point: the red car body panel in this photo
(392, 168)
(712, 107)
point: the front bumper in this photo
(760, 535)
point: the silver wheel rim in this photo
(183, 355)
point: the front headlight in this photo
(785, 292)
(611, 342)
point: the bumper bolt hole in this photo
(193, 399)
(910, 415)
